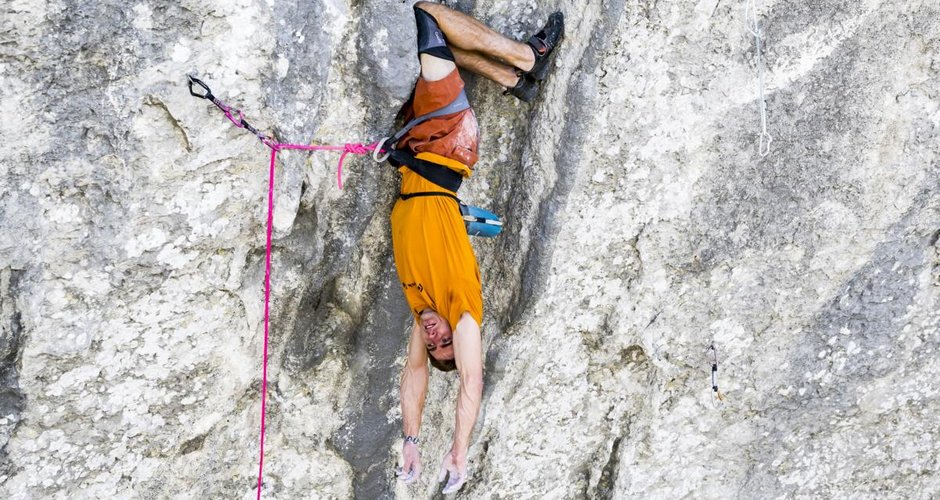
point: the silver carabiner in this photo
(763, 144)
(378, 150)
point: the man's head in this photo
(438, 339)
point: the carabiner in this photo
(714, 361)
(763, 144)
(378, 150)
(207, 95)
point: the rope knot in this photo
(356, 148)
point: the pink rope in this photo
(238, 119)
(355, 148)
(267, 301)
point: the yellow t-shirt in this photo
(436, 264)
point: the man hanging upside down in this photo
(436, 265)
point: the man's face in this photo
(438, 337)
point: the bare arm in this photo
(468, 353)
(414, 386)
(414, 383)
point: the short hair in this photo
(447, 365)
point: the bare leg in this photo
(465, 32)
(435, 68)
(485, 67)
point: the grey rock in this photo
(642, 227)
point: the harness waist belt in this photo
(438, 174)
(409, 196)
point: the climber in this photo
(436, 265)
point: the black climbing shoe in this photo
(543, 44)
(525, 90)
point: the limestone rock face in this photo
(642, 226)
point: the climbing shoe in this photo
(525, 90)
(543, 44)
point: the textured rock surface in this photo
(642, 226)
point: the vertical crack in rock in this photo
(342, 315)
(579, 97)
(935, 261)
(365, 439)
(605, 485)
(11, 398)
(347, 311)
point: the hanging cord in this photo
(753, 25)
(238, 119)
(712, 353)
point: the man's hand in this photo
(414, 386)
(411, 469)
(456, 465)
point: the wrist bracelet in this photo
(411, 439)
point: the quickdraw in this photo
(713, 355)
